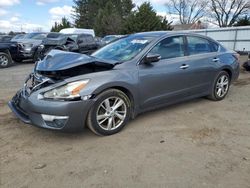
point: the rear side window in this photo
(197, 45)
(170, 47)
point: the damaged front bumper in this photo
(50, 114)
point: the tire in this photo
(220, 86)
(112, 117)
(5, 60)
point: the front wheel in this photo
(220, 86)
(5, 60)
(110, 113)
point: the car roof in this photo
(153, 33)
(159, 34)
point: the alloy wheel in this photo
(111, 113)
(222, 86)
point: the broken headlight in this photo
(66, 92)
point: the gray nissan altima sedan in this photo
(136, 73)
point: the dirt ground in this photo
(193, 144)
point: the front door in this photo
(165, 81)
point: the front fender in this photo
(127, 80)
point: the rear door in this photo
(202, 58)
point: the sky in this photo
(33, 15)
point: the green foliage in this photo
(243, 21)
(108, 21)
(86, 11)
(165, 24)
(146, 19)
(116, 17)
(59, 26)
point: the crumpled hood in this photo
(34, 42)
(60, 64)
(58, 60)
(55, 41)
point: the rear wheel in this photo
(220, 87)
(110, 113)
(5, 60)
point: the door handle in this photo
(216, 59)
(184, 66)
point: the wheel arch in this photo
(229, 71)
(5, 51)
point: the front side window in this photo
(197, 45)
(170, 47)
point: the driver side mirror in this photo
(152, 58)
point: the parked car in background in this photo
(28, 45)
(8, 52)
(5, 38)
(78, 31)
(21, 49)
(17, 37)
(110, 38)
(134, 74)
(81, 43)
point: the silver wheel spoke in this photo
(225, 83)
(103, 107)
(222, 79)
(110, 122)
(107, 105)
(100, 117)
(103, 121)
(223, 90)
(219, 92)
(121, 117)
(118, 104)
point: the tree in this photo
(226, 12)
(165, 24)
(188, 11)
(108, 20)
(243, 21)
(145, 19)
(83, 13)
(11, 33)
(59, 26)
(86, 11)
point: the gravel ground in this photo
(199, 143)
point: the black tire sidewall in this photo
(92, 121)
(216, 97)
(9, 60)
